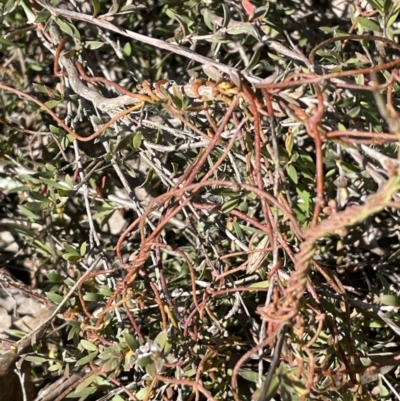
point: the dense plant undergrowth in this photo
(204, 197)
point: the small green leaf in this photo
(106, 291)
(83, 394)
(127, 49)
(385, 283)
(360, 80)
(207, 20)
(55, 367)
(137, 140)
(130, 170)
(394, 256)
(35, 359)
(70, 249)
(245, 28)
(37, 196)
(50, 167)
(64, 27)
(71, 257)
(51, 104)
(55, 184)
(96, 8)
(374, 324)
(56, 298)
(393, 18)
(42, 16)
(190, 372)
(15, 190)
(142, 393)
(260, 284)
(149, 177)
(212, 72)
(131, 341)
(16, 333)
(88, 345)
(117, 398)
(369, 24)
(54, 129)
(366, 361)
(116, 6)
(249, 375)
(292, 173)
(6, 42)
(305, 196)
(105, 355)
(177, 101)
(378, 4)
(111, 365)
(389, 299)
(354, 112)
(151, 369)
(254, 60)
(272, 389)
(87, 382)
(74, 331)
(55, 277)
(227, 15)
(93, 45)
(36, 206)
(144, 361)
(68, 181)
(92, 297)
(238, 229)
(10, 6)
(44, 249)
(105, 213)
(161, 339)
(86, 359)
(383, 391)
(83, 249)
(230, 205)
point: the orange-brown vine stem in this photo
(176, 114)
(163, 280)
(250, 97)
(192, 175)
(247, 356)
(312, 125)
(56, 65)
(353, 37)
(150, 98)
(355, 135)
(85, 77)
(321, 78)
(186, 382)
(213, 143)
(203, 159)
(62, 124)
(234, 186)
(390, 360)
(109, 304)
(190, 266)
(216, 293)
(157, 298)
(312, 79)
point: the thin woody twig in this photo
(102, 22)
(276, 353)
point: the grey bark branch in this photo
(101, 22)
